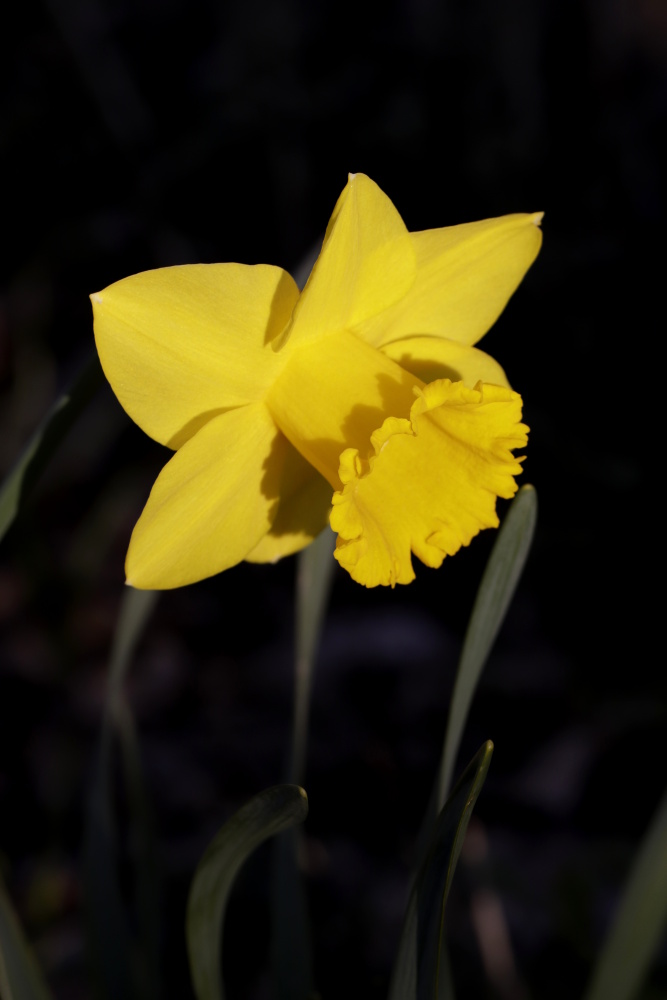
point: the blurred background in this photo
(141, 134)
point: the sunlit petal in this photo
(211, 504)
(465, 275)
(180, 345)
(333, 394)
(367, 262)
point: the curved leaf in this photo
(266, 814)
(290, 934)
(313, 584)
(640, 920)
(111, 944)
(291, 951)
(495, 593)
(20, 975)
(418, 972)
(36, 455)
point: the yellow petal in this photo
(180, 345)
(367, 262)
(333, 393)
(431, 483)
(465, 275)
(431, 358)
(303, 511)
(212, 502)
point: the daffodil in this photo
(361, 400)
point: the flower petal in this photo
(182, 344)
(332, 395)
(431, 484)
(212, 502)
(465, 275)
(303, 511)
(367, 262)
(431, 358)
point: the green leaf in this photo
(267, 814)
(45, 441)
(291, 961)
(418, 972)
(20, 975)
(148, 964)
(495, 593)
(313, 586)
(291, 951)
(122, 968)
(136, 608)
(640, 921)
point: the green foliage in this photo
(291, 961)
(640, 920)
(418, 972)
(20, 975)
(124, 967)
(123, 933)
(291, 958)
(267, 814)
(313, 585)
(45, 441)
(494, 596)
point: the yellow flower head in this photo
(360, 400)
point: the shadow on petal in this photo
(190, 429)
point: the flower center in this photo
(333, 393)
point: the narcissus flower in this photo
(360, 401)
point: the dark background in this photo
(141, 134)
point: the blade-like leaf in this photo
(108, 934)
(267, 814)
(291, 957)
(45, 441)
(495, 593)
(291, 962)
(20, 975)
(640, 922)
(417, 973)
(136, 608)
(148, 967)
(313, 586)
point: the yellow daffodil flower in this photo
(360, 401)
